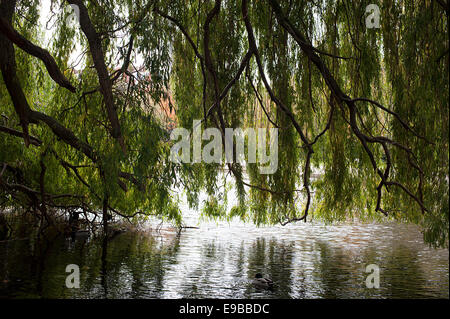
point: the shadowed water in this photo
(218, 261)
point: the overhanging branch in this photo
(32, 49)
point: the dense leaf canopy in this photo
(362, 113)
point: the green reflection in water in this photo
(198, 265)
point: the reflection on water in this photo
(218, 261)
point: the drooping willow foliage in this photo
(362, 113)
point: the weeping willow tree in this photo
(362, 113)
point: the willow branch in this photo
(105, 82)
(196, 51)
(259, 98)
(8, 70)
(225, 90)
(33, 140)
(343, 98)
(310, 151)
(395, 114)
(182, 29)
(126, 61)
(32, 49)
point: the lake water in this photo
(305, 260)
